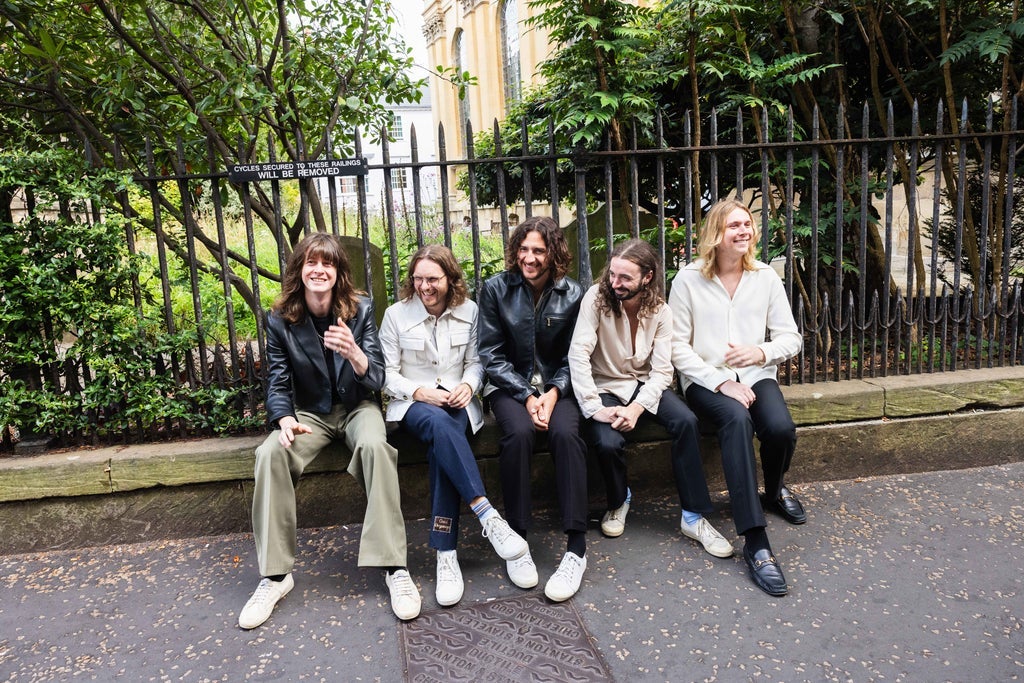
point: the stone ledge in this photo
(186, 488)
(120, 469)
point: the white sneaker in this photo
(522, 571)
(702, 532)
(508, 544)
(405, 597)
(262, 602)
(566, 580)
(614, 521)
(449, 588)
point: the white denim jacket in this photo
(412, 358)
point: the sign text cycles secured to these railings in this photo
(293, 170)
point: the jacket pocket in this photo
(411, 343)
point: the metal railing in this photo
(854, 224)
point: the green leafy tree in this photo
(205, 83)
(823, 63)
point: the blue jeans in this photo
(454, 475)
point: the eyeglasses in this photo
(429, 281)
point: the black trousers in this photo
(610, 448)
(518, 438)
(768, 418)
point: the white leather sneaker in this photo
(261, 604)
(705, 534)
(566, 580)
(522, 571)
(405, 597)
(614, 521)
(450, 587)
(508, 544)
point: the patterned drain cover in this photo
(514, 640)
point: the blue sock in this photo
(483, 509)
(629, 495)
(691, 518)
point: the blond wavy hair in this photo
(713, 229)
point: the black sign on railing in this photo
(293, 170)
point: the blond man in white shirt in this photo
(620, 361)
(722, 304)
(432, 375)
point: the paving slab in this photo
(911, 577)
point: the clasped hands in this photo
(621, 418)
(457, 398)
(541, 407)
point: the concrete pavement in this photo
(898, 578)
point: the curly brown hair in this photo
(560, 258)
(442, 256)
(291, 303)
(653, 294)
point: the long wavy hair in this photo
(559, 256)
(291, 303)
(442, 256)
(651, 296)
(713, 229)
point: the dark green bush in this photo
(78, 358)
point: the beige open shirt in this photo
(602, 360)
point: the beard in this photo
(628, 294)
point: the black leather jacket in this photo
(297, 372)
(511, 330)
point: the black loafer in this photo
(788, 505)
(765, 571)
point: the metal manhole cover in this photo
(514, 640)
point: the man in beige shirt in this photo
(620, 362)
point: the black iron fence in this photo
(901, 253)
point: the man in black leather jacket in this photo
(527, 314)
(325, 369)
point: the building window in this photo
(395, 131)
(348, 184)
(399, 178)
(510, 52)
(460, 64)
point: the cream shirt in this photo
(421, 350)
(706, 320)
(602, 361)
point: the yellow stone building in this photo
(490, 40)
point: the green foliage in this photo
(987, 37)
(492, 253)
(205, 84)
(77, 356)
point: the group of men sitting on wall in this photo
(585, 367)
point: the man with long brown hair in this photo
(621, 364)
(526, 317)
(324, 372)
